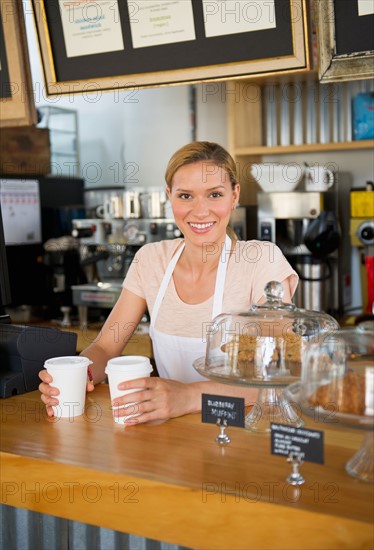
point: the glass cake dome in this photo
(263, 347)
(337, 387)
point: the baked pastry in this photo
(293, 353)
(345, 394)
(260, 357)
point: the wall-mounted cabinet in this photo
(289, 117)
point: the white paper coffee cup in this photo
(121, 369)
(70, 377)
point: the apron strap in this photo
(165, 282)
(220, 280)
(221, 276)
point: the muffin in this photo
(261, 357)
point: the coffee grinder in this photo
(287, 220)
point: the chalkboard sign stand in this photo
(295, 478)
(222, 439)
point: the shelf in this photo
(304, 148)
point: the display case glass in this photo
(337, 388)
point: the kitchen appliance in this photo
(51, 206)
(154, 204)
(107, 248)
(150, 230)
(362, 237)
(105, 258)
(312, 231)
(243, 221)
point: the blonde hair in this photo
(199, 151)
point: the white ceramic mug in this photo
(103, 211)
(318, 178)
(112, 208)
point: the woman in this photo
(184, 284)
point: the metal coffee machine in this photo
(312, 230)
(107, 248)
(104, 259)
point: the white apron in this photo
(174, 355)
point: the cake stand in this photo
(360, 465)
(263, 348)
(338, 386)
(271, 404)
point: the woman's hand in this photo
(157, 399)
(49, 394)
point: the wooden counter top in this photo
(172, 482)
(139, 344)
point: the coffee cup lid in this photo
(64, 361)
(129, 363)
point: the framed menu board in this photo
(17, 104)
(109, 44)
(346, 39)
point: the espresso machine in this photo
(107, 248)
(105, 258)
(312, 230)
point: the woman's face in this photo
(202, 199)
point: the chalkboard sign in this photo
(110, 44)
(223, 409)
(303, 442)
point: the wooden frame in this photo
(338, 58)
(17, 104)
(283, 48)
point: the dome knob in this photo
(274, 291)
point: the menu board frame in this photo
(345, 42)
(16, 92)
(184, 62)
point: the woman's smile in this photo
(201, 227)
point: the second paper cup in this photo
(121, 369)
